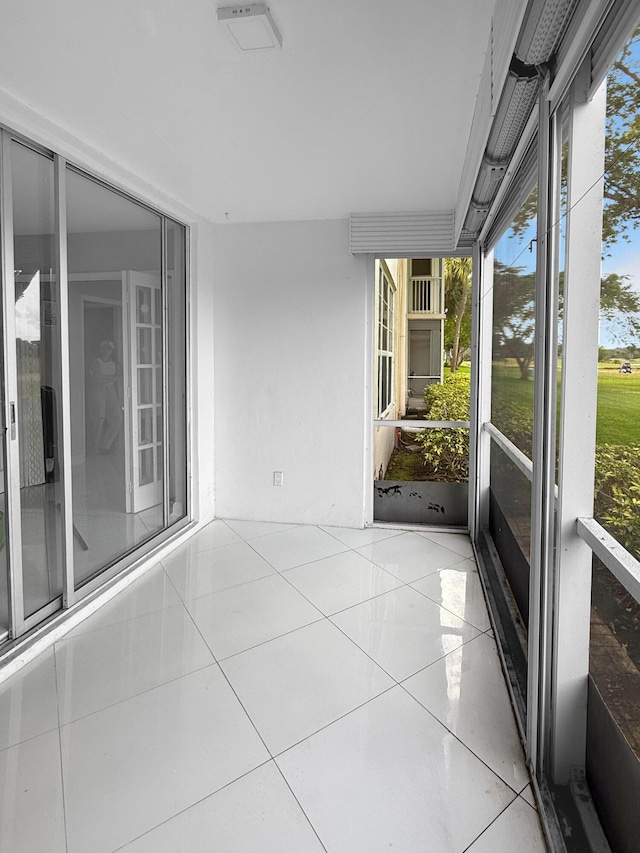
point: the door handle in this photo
(12, 420)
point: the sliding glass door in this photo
(93, 461)
(38, 371)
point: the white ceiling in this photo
(368, 107)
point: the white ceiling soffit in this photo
(368, 105)
(401, 235)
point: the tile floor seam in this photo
(364, 651)
(359, 529)
(293, 794)
(224, 675)
(389, 592)
(140, 693)
(46, 731)
(500, 813)
(364, 601)
(413, 580)
(533, 808)
(448, 609)
(271, 639)
(262, 535)
(67, 638)
(62, 784)
(331, 722)
(173, 586)
(193, 805)
(466, 745)
(185, 601)
(248, 715)
(210, 595)
(293, 586)
(337, 720)
(299, 565)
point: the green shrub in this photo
(446, 451)
(515, 421)
(617, 493)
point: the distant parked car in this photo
(625, 367)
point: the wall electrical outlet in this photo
(278, 478)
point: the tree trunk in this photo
(456, 335)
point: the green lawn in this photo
(618, 420)
(618, 406)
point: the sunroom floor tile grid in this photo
(273, 687)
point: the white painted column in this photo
(572, 604)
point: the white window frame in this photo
(385, 356)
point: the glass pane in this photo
(510, 522)
(157, 312)
(145, 458)
(158, 346)
(143, 305)
(617, 477)
(38, 370)
(145, 426)
(144, 346)
(145, 385)
(514, 283)
(114, 263)
(175, 341)
(513, 329)
(613, 742)
(614, 660)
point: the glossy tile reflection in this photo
(276, 688)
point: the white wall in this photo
(289, 338)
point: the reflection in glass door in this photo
(115, 347)
(143, 414)
(38, 376)
(93, 328)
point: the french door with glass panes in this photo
(143, 400)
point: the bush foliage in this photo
(617, 469)
(617, 474)
(617, 493)
(446, 451)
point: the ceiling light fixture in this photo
(250, 27)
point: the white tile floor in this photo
(278, 688)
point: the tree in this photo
(621, 209)
(514, 311)
(514, 315)
(622, 151)
(457, 327)
(620, 302)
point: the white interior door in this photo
(142, 368)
